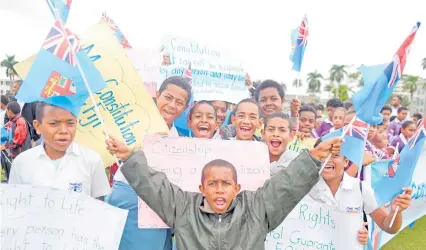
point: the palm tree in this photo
(357, 77)
(314, 82)
(337, 74)
(424, 63)
(297, 83)
(8, 63)
(410, 84)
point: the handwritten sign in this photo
(216, 73)
(182, 159)
(127, 109)
(312, 225)
(147, 63)
(49, 219)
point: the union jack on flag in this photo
(358, 129)
(120, 36)
(419, 134)
(395, 69)
(188, 74)
(302, 36)
(64, 46)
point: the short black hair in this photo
(418, 115)
(334, 103)
(198, 104)
(247, 100)
(4, 99)
(14, 107)
(392, 118)
(40, 110)
(178, 81)
(386, 107)
(226, 103)
(406, 124)
(280, 115)
(348, 104)
(219, 163)
(400, 109)
(269, 84)
(321, 107)
(399, 97)
(307, 108)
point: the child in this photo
(305, 138)
(60, 162)
(408, 129)
(220, 216)
(20, 131)
(221, 108)
(277, 134)
(395, 126)
(379, 142)
(416, 117)
(326, 125)
(337, 120)
(347, 194)
(172, 100)
(318, 121)
(386, 112)
(202, 120)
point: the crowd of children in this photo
(220, 216)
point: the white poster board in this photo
(182, 160)
(36, 218)
(312, 225)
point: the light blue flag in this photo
(62, 6)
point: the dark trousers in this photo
(6, 163)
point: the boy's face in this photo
(277, 134)
(219, 188)
(395, 101)
(306, 121)
(171, 103)
(270, 101)
(318, 121)
(386, 115)
(330, 111)
(9, 113)
(402, 115)
(338, 118)
(415, 119)
(335, 167)
(203, 121)
(220, 107)
(57, 128)
(246, 121)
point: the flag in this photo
(354, 141)
(62, 6)
(181, 122)
(299, 40)
(54, 76)
(188, 74)
(396, 174)
(120, 36)
(379, 83)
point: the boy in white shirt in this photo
(60, 162)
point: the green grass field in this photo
(410, 238)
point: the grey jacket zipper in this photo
(220, 222)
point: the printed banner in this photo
(127, 109)
(312, 225)
(216, 73)
(49, 219)
(416, 210)
(182, 160)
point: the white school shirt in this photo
(119, 175)
(80, 170)
(348, 197)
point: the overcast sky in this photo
(341, 31)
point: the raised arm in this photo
(163, 197)
(280, 194)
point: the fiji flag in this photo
(354, 141)
(380, 81)
(62, 6)
(54, 76)
(181, 122)
(120, 36)
(391, 176)
(299, 40)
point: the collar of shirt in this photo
(72, 149)
(322, 192)
(398, 121)
(328, 121)
(403, 139)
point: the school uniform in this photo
(79, 170)
(349, 196)
(401, 141)
(325, 126)
(283, 162)
(134, 238)
(395, 127)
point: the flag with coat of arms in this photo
(114, 27)
(299, 41)
(380, 81)
(54, 76)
